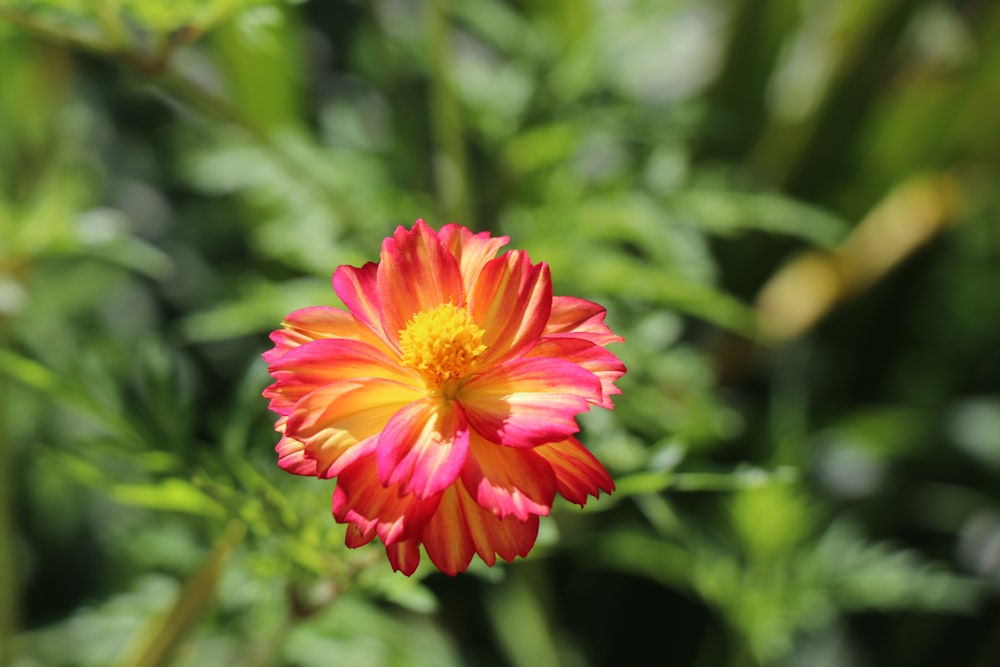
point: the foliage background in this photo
(789, 208)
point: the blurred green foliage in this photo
(789, 209)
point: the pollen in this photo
(442, 344)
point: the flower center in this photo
(441, 343)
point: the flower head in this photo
(443, 399)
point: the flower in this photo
(444, 398)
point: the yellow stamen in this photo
(442, 344)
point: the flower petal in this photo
(316, 323)
(471, 250)
(459, 528)
(580, 318)
(404, 556)
(594, 358)
(334, 418)
(322, 362)
(354, 538)
(416, 273)
(374, 509)
(578, 472)
(462, 456)
(529, 401)
(292, 457)
(510, 301)
(357, 288)
(423, 447)
(508, 480)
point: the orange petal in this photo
(404, 556)
(471, 250)
(316, 323)
(578, 472)
(334, 418)
(374, 509)
(460, 527)
(529, 401)
(292, 458)
(594, 358)
(423, 447)
(354, 538)
(357, 288)
(321, 362)
(510, 301)
(581, 318)
(507, 480)
(416, 273)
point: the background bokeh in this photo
(790, 209)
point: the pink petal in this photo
(316, 323)
(423, 447)
(358, 289)
(581, 318)
(416, 273)
(471, 250)
(404, 556)
(594, 358)
(321, 362)
(459, 528)
(578, 472)
(335, 418)
(354, 538)
(529, 401)
(283, 342)
(374, 509)
(278, 401)
(292, 458)
(510, 301)
(508, 480)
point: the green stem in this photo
(109, 49)
(156, 645)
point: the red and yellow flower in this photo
(443, 399)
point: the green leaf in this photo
(729, 213)
(171, 495)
